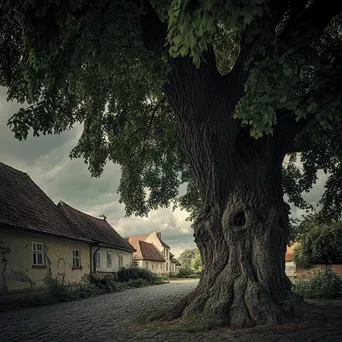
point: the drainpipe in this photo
(93, 260)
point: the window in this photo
(38, 253)
(98, 259)
(120, 260)
(134, 264)
(76, 263)
(109, 259)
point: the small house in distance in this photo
(153, 254)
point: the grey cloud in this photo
(31, 149)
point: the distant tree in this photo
(196, 263)
(186, 258)
(209, 93)
(319, 243)
(191, 260)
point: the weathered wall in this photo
(18, 272)
(127, 259)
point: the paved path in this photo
(108, 318)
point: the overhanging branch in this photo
(152, 116)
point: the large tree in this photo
(210, 93)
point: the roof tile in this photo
(96, 229)
(145, 250)
(23, 205)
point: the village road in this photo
(108, 318)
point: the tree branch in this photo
(152, 116)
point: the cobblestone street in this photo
(109, 318)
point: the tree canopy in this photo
(105, 64)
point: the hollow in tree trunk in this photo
(242, 241)
(243, 229)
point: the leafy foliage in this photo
(320, 243)
(105, 64)
(322, 285)
(127, 274)
(191, 261)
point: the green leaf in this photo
(283, 99)
(248, 18)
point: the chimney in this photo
(159, 235)
(103, 217)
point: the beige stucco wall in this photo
(156, 267)
(127, 259)
(173, 268)
(165, 252)
(20, 274)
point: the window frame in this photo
(36, 252)
(120, 257)
(98, 259)
(76, 258)
(111, 259)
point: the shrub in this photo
(323, 285)
(186, 273)
(130, 273)
(59, 291)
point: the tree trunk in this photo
(243, 229)
(243, 243)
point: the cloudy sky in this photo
(46, 160)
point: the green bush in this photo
(59, 291)
(186, 273)
(130, 273)
(183, 273)
(323, 285)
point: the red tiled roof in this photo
(289, 257)
(145, 250)
(144, 237)
(23, 205)
(96, 229)
(149, 252)
(290, 252)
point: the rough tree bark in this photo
(243, 229)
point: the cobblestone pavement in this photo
(108, 318)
